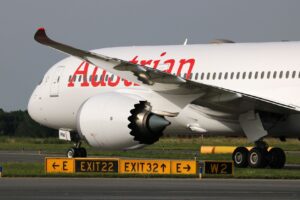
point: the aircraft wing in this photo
(175, 89)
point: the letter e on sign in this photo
(187, 167)
(59, 165)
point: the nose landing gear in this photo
(77, 151)
(259, 156)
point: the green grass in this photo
(53, 145)
(166, 148)
(12, 169)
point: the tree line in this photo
(20, 124)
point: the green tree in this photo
(19, 123)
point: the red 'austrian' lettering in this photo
(83, 69)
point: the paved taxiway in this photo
(140, 188)
(21, 156)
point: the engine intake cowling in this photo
(119, 121)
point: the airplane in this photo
(125, 98)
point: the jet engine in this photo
(119, 121)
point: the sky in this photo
(92, 24)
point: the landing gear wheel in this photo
(240, 157)
(82, 152)
(76, 152)
(72, 153)
(258, 157)
(277, 158)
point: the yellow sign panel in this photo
(112, 165)
(144, 166)
(59, 165)
(183, 167)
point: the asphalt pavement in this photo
(141, 188)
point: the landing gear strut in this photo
(259, 156)
(76, 151)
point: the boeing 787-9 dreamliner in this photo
(128, 97)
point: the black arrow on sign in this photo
(163, 166)
(54, 165)
(187, 168)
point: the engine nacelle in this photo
(119, 121)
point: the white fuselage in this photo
(264, 70)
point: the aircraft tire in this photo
(72, 152)
(82, 152)
(258, 157)
(277, 158)
(240, 157)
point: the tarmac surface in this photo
(138, 188)
(141, 188)
(22, 156)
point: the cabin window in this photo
(268, 75)
(214, 76)
(196, 76)
(262, 75)
(220, 75)
(274, 74)
(208, 75)
(95, 77)
(226, 75)
(84, 79)
(250, 75)
(79, 79)
(232, 75)
(287, 74)
(202, 76)
(238, 75)
(256, 75)
(281, 74)
(294, 74)
(244, 75)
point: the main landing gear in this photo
(259, 156)
(76, 151)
